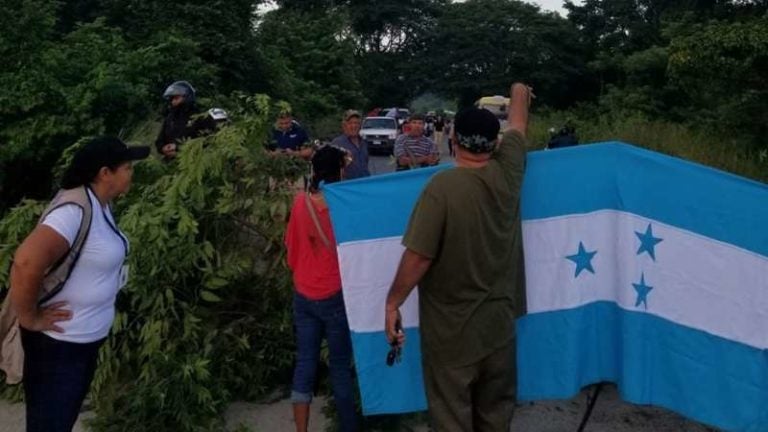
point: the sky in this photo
(551, 5)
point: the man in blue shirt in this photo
(289, 138)
(351, 141)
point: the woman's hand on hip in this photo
(45, 318)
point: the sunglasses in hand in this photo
(394, 354)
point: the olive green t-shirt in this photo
(468, 221)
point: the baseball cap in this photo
(351, 113)
(97, 153)
(477, 130)
(108, 151)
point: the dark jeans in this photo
(313, 320)
(57, 376)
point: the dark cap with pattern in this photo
(477, 130)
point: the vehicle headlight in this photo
(393, 135)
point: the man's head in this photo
(284, 121)
(416, 122)
(350, 123)
(179, 93)
(476, 131)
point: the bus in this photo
(497, 105)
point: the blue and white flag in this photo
(642, 269)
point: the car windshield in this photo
(379, 123)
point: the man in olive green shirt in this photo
(464, 250)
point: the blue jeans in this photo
(57, 376)
(313, 320)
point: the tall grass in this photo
(725, 153)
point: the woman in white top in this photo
(62, 334)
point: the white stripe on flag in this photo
(697, 282)
(367, 270)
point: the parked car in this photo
(380, 133)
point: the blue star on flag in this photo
(583, 260)
(648, 242)
(642, 292)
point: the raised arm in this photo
(519, 101)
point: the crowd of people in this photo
(463, 248)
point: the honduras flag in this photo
(642, 269)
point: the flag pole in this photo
(591, 401)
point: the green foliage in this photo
(392, 50)
(380, 26)
(37, 19)
(648, 91)
(390, 38)
(221, 29)
(90, 81)
(310, 57)
(481, 46)
(393, 26)
(721, 66)
(618, 26)
(205, 317)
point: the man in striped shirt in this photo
(413, 149)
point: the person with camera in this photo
(463, 247)
(289, 138)
(318, 304)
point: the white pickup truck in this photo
(380, 133)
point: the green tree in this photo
(58, 88)
(617, 31)
(310, 59)
(480, 46)
(721, 68)
(221, 29)
(647, 91)
(389, 38)
(392, 37)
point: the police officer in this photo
(184, 120)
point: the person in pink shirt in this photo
(318, 305)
